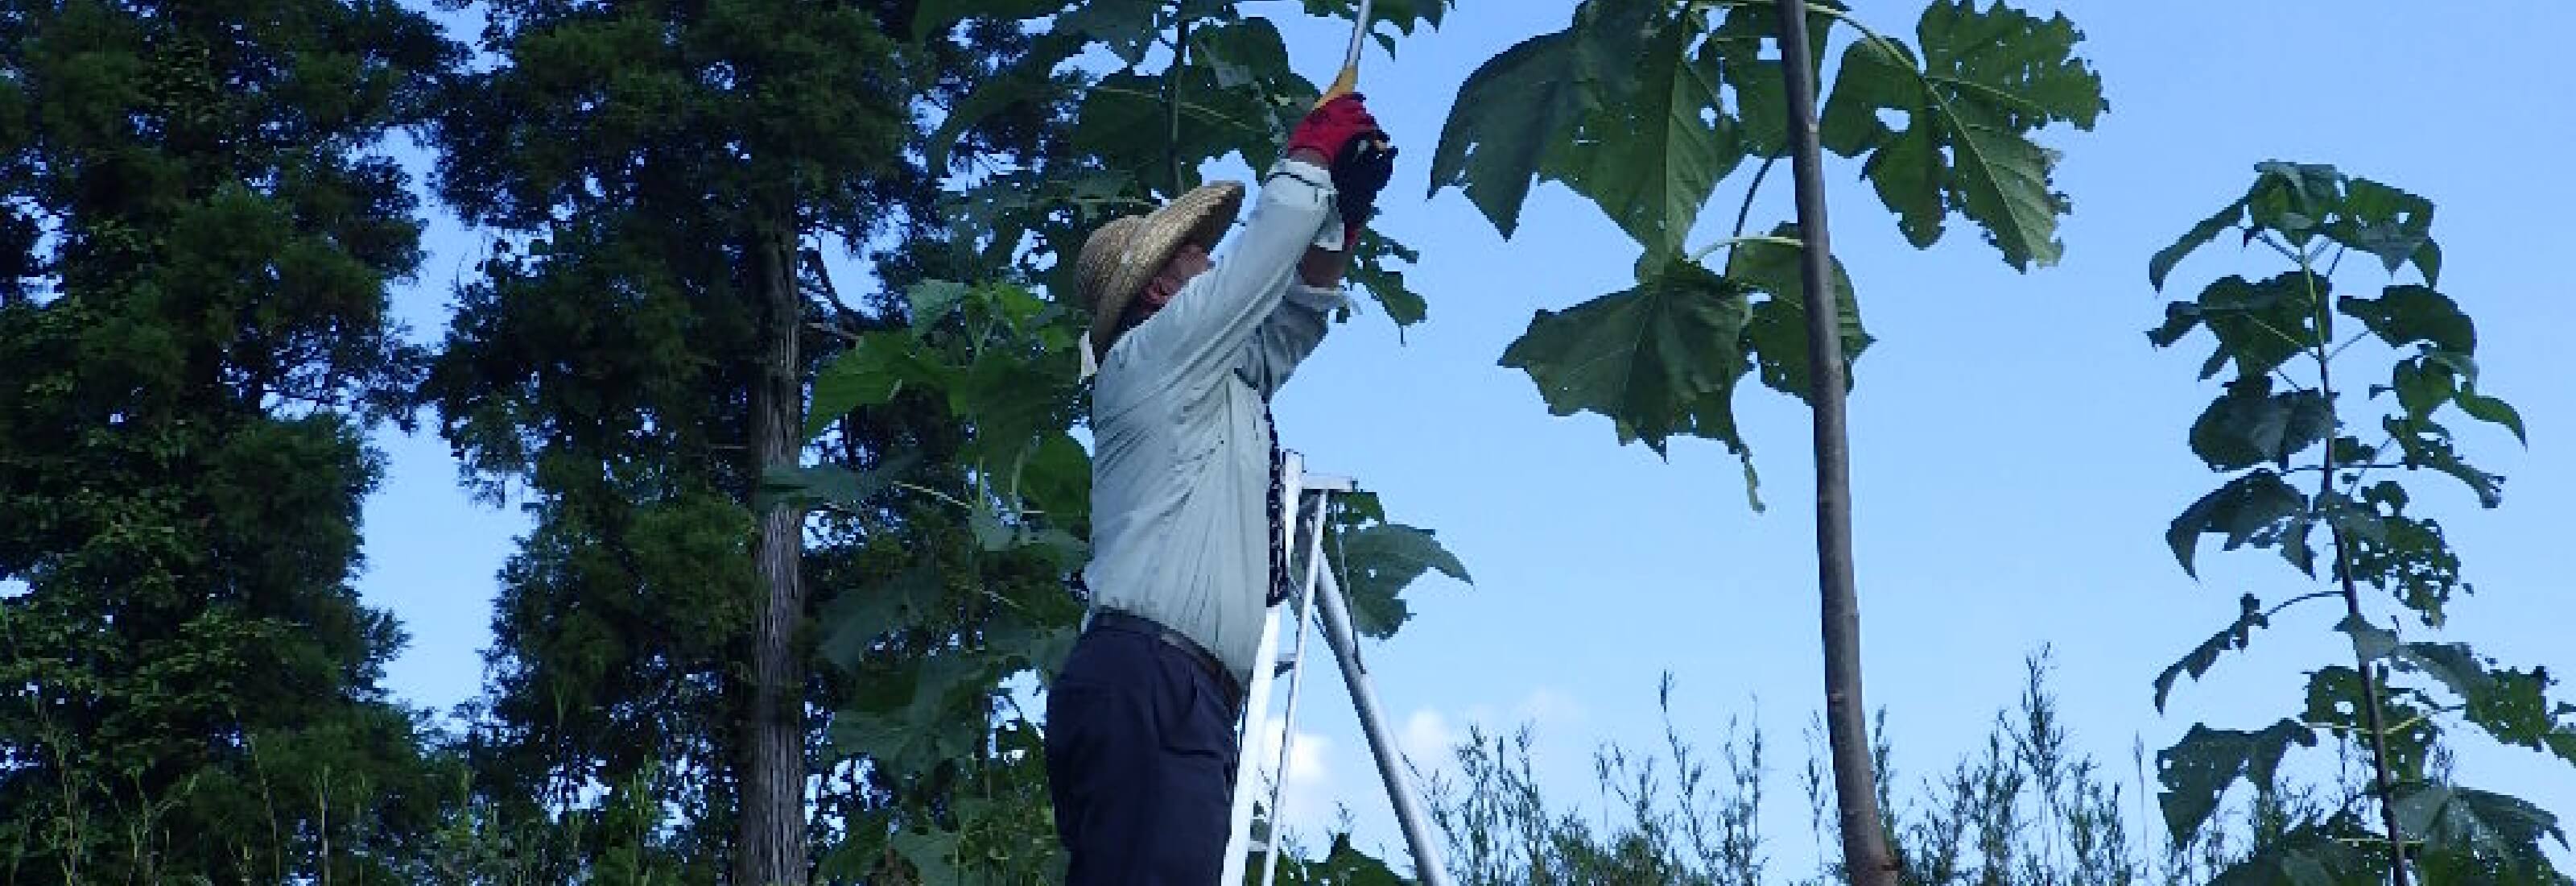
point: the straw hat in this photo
(1122, 255)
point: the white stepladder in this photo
(1308, 497)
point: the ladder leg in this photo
(1256, 702)
(1305, 603)
(1409, 814)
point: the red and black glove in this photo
(1357, 153)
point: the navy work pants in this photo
(1140, 751)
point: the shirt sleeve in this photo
(1291, 333)
(1204, 332)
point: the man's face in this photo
(1186, 262)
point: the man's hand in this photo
(1344, 137)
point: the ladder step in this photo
(1286, 664)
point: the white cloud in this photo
(1545, 706)
(1427, 738)
(1305, 796)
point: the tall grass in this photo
(2024, 809)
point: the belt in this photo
(1207, 661)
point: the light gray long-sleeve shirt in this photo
(1180, 526)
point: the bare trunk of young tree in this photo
(1866, 859)
(769, 849)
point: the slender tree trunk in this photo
(2371, 716)
(1866, 859)
(770, 848)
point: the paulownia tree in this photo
(1645, 107)
(2317, 473)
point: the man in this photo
(1140, 742)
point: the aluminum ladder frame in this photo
(1319, 592)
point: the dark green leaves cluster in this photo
(1985, 81)
(198, 238)
(1663, 358)
(1142, 136)
(1644, 108)
(1375, 560)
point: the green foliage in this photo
(2280, 332)
(196, 329)
(1986, 80)
(2201, 767)
(1646, 108)
(1375, 560)
(1662, 358)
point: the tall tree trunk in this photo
(770, 848)
(1866, 859)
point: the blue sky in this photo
(2018, 447)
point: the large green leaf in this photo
(2426, 445)
(1986, 81)
(2258, 325)
(1761, 98)
(2512, 705)
(1659, 359)
(2502, 830)
(2197, 771)
(2250, 425)
(1030, 79)
(2200, 235)
(1126, 27)
(1515, 111)
(806, 486)
(2405, 556)
(2256, 508)
(2408, 314)
(856, 618)
(1375, 560)
(1403, 15)
(1125, 119)
(2199, 660)
(907, 716)
(1372, 269)
(1652, 158)
(869, 373)
(1776, 336)
(2335, 702)
(2338, 852)
(2384, 222)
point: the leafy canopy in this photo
(1645, 108)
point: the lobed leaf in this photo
(1776, 334)
(1375, 561)
(1515, 110)
(2254, 508)
(2260, 326)
(2425, 444)
(2197, 771)
(2496, 834)
(2408, 314)
(1659, 359)
(1651, 158)
(2249, 425)
(2335, 701)
(2336, 852)
(805, 486)
(1987, 79)
(1126, 27)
